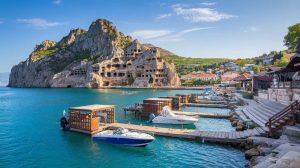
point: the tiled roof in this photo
(231, 72)
(241, 78)
(227, 79)
(205, 75)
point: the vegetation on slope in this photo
(202, 63)
(57, 65)
(38, 55)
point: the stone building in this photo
(139, 66)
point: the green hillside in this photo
(203, 63)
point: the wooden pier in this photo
(92, 119)
(202, 114)
(205, 105)
(137, 110)
(207, 136)
(203, 101)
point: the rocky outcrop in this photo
(101, 56)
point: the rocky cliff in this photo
(101, 56)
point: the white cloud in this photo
(201, 14)
(150, 34)
(40, 23)
(251, 29)
(163, 16)
(165, 34)
(57, 2)
(195, 29)
(208, 3)
(179, 36)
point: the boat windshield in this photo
(120, 131)
(166, 111)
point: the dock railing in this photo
(283, 118)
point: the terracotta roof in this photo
(247, 74)
(205, 75)
(226, 79)
(231, 72)
(242, 77)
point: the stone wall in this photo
(281, 95)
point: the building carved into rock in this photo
(96, 58)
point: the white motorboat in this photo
(122, 136)
(168, 117)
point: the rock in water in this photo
(101, 56)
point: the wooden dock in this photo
(203, 101)
(202, 114)
(207, 136)
(205, 105)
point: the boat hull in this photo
(125, 141)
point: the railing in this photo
(291, 109)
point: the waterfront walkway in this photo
(205, 105)
(210, 136)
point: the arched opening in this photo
(106, 83)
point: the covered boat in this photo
(122, 136)
(168, 117)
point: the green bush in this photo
(41, 54)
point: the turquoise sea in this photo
(30, 135)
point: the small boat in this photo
(167, 117)
(122, 136)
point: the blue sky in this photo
(194, 28)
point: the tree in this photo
(256, 69)
(292, 39)
(283, 61)
(241, 62)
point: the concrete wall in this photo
(263, 95)
(283, 96)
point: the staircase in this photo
(285, 117)
(260, 112)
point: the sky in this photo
(191, 28)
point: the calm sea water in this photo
(30, 134)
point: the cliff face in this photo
(101, 56)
